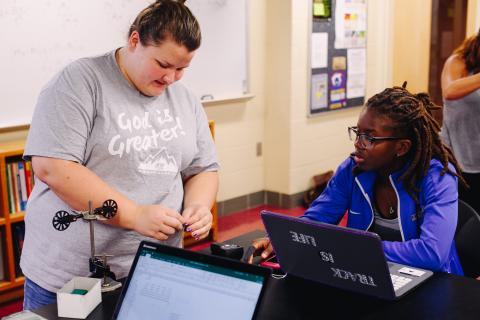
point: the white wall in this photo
(473, 17)
(278, 72)
(411, 48)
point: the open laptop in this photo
(340, 257)
(171, 283)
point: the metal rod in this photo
(92, 237)
(105, 282)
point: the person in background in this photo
(119, 126)
(401, 183)
(461, 117)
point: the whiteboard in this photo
(40, 37)
(219, 68)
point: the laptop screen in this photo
(171, 287)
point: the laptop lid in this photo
(171, 283)
(340, 257)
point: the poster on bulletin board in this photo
(337, 55)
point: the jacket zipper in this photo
(368, 200)
(398, 207)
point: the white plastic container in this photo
(76, 305)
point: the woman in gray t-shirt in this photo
(118, 126)
(461, 114)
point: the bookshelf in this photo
(11, 284)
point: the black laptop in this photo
(340, 257)
(171, 283)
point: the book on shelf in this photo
(28, 177)
(23, 185)
(11, 200)
(2, 257)
(15, 188)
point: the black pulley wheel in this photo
(60, 221)
(109, 208)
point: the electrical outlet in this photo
(259, 149)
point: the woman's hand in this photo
(157, 221)
(198, 220)
(264, 245)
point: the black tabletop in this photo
(443, 296)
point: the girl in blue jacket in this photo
(401, 182)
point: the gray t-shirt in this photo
(461, 130)
(142, 146)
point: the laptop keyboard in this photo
(399, 281)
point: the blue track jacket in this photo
(433, 248)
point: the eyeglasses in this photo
(365, 140)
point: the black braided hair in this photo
(412, 118)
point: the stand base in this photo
(108, 284)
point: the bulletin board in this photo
(337, 55)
